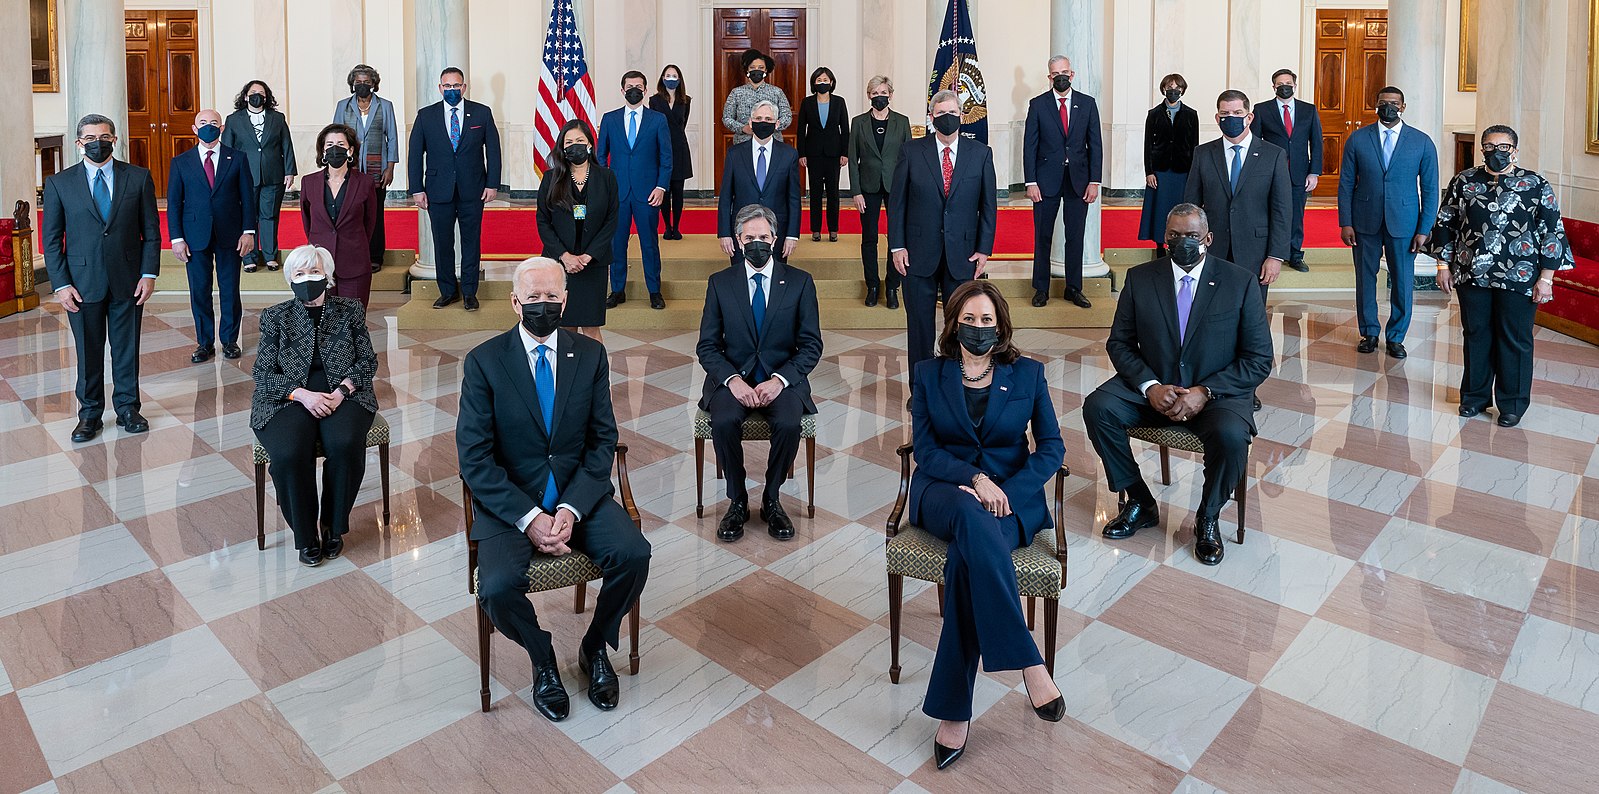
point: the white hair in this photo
(303, 257)
(765, 103)
(536, 264)
(945, 95)
(1053, 59)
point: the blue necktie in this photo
(758, 306)
(455, 130)
(1387, 147)
(760, 173)
(1238, 165)
(544, 383)
(632, 128)
(1185, 304)
(102, 195)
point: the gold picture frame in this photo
(1593, 77)
(42, 38)
(1468, 46)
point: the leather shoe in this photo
(1469, 411)
(1040, 298)
(332, 547)
(893, 298)
(656, 301)
(871, 296)
(1509, 420)
(615, 299)
(549, 694)
(778, 524)
(86, 430)
(1134, 515)
(1076, 296)
(1299, 265)
(231, 350)
(471, 303)
(832, 237)
(604, 688)
(1053, 711)
(1396, 350)
(1368, 344)
(445, 300)
(311, 557)
(202, 354)
(1207, 542)
(133, 422)
(816, 237)
(944, 756)
(732, 526)
(1256, 406)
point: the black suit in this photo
(1251, 224)
(271, 158)
(454, 179)
(507, 455)
(1227, 349)
(822, 146)
(787, 346)
(1062, 162)
(1304, 155)
(940, 233)
(781, 194)
(103, 259)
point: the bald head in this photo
(208, 118)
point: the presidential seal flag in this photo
(955, 68)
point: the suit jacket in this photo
(104, 258)
(464, 172)
(816, 139)
(789, 345)
(932, 226)
(507, 453)
(271, 158)
(1059, 162)
(871, 169)
(677, 125)
(1227, 348)
(379, 139)
(1403, 198)
(200, 214)
(642, 167)
(558, 229)
(288, 339)
(949, 449)
(1303, 147)
(348, 236)
(1255, 223)
(739, 188)
(1168, 144)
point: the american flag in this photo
(565, 90)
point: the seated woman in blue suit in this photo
(979, 488)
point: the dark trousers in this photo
(380, 237)
(823, 180)
(1224, 433)
(1296, 238)
(358, 287)
(443, 216)
(268, 204)
(225, 259)
(1498, 326)
(1253, 268)
(921, 310)
(870, 220)
(1370, 249)
(1074, 215)
(291, 437)
(636, 210)
(672, 207)
(92, 325)
(982, 605)
(608, 537)
(727, 438)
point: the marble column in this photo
(439, 40)
(1417, 68)
(94, 66)
(16, 94)
(1077, 31)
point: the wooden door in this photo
(1351, 65)
(163, 88)
(778, 32)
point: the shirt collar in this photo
(1059, 96)
(105, 166)
(1177, 272)
(456, 105)
(758, 143)
(1248, 138)
(1398, 126)
(208, 147)
(531, 344)
(750, 271)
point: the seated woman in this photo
(314, 351)
(979, 488)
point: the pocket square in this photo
(476, 127)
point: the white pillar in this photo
(16, 95)
(94, 66)
(1077, 31)
(440, 41)
(1417, 68)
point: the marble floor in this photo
(1416, 606)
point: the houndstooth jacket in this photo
(283, 358)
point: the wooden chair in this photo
(551, 573)
(377, 436)
(1169, 437)
(755, 428)
(915, 552)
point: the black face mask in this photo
(1496, 160)
(880, 102)
(1231, 126)
(1173, 94)
(1185, 251)
(1388, 112)
(763, 129)
(576, 154)
(1061, 82)
(947, 124)
(363, 90)
(98, 151)
(977, 340)
(335, 156)
(257, 100)
(757, 253)
(310, 290)
(634, 95)
(823, 88)
(757, 75)
(1285, 91)
(541, 318)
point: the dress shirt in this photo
(766, 295)
(460, 117)
(1177, 275)
(110, 185)
(216, 164)
(756, 147)
(633, 115)
(1288, 105)
(531, 344)
(1382, 132)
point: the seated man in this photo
(536, 439)
(760, 338)
(1190, 344)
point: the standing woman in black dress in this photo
(577, 209)
(672, 99)
(823, 143)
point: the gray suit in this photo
(1254, 222)
(271, 159)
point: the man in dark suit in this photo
(536, 439)
(210, 218)
(941, 214)
(1190, 343)
(102, 246)
(875, 138)
(1242, 184)
(454, 166)
(1061, 160)
(765, 171)
(636, 144)
(1387, 204)
(760, 337)
(1293, 126)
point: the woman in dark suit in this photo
(672, 99)
(314, 351)
(823, 143)
(339, 210)
(1171, 132)
(577, 211)
(979, 488)
(256, 128)
(874, 140)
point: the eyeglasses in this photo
(448, 86)
(1507, 148)
(91, 138)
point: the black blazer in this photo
(815, 139)
(933, 227)
(1304, 148)
(1228, 344)
(506, 453)
(789, 345)
(271, 158)
(103, 258)
(459, 174)
(283, 356)
(1255, 223)
(558, 229)
(677, 128)
(781, 196)
(1168, 144)
(1060, 163)
(872, 169)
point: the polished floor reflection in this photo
(1416, 606)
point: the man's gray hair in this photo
(535, 264)
(95, 118)
(765, 103)
(1053, 59)
(945, 95)
(749, 213)
(1185, 209)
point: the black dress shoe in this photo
(1469, 411)
(1396, 350)
(1509, 420)
(311, 557)
(672, 234)
(1207, 542)
(778, 524)
(832, 237)
(231, 350)
(86, 430)
(1134, 515)
(816, 237)
(1076, 296)
(604, 688)
(377, 267)
(732, 526)
(1256, 406)
(1299, 265)
(944, 756)
(1368, 344)
(656, 301)
(332, 547)
(202, 354)
(470, 303)
(893, 298)
(549, 694)
(133, 422)
(615, 299)
(1040, 298)
(871, 296)
(1053, 711)
(445, 300)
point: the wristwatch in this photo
(346, 390)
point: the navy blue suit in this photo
(454, 178)
(1387, 206)
(1304, 156)
(640, 167)
(781, 194)
(211, 219)
(982, 606)
(1063, 163)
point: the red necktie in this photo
(1065, 120)
(210, 171)
(1288, 121)
(949, 170)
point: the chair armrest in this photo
(625, 486)
(895, 515)
(471, 545)
(1060, 517)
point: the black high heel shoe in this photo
(945, 756)
(1053, 711)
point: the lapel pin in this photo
(569, 355)
(1004, 388)
(1211, 283)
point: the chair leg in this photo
(1165, 466)
(632, 651)
(580, 598)
(383, 460)
(260, 507)
(810, 475)
(1243, 504)
(896, 593)
(1032, 607)
(940, 600)
(1051, 620)
(483, 654)
(699, 477)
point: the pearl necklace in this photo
(984, 374)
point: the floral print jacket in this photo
(1500, 231)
